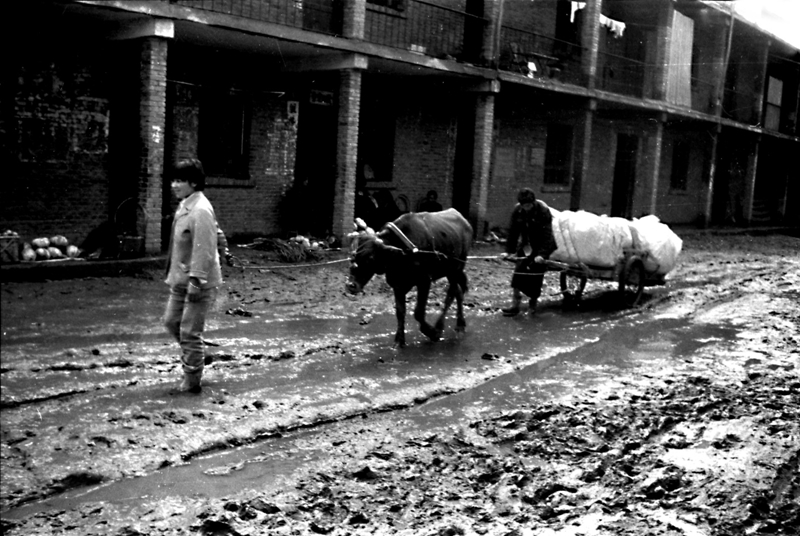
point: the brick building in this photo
(680, 109)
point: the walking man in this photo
(530, 238)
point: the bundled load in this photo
(600, 241)
(657, 239)
(583, 237)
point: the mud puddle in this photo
(596, 349)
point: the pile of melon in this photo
(43, 249)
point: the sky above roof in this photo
(779, 17)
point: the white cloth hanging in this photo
(616, 27)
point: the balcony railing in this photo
(324, 16)
(539, 56)
(427, 28)
(741, 106)
(621, 75)
(704, 96)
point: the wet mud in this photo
(679, 415)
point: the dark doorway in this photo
(376, 132)
(729, 184)
(465, 151)
(315, 167)
(624, 176)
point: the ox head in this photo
(369, 255)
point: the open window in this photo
(224, 134)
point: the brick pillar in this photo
(346, 152)
(482, 161)
(493, 11)
(590, 37)
(354, 16)
(646, 198)
(152, 121)
(662, 50)
(582, 152)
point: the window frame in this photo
(773, 103)
(228, 114)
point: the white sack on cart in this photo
(657, 239)
(583, 237)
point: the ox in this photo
(413, 251)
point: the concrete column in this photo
(590, 37)
(354, 16)
(346, 151)
(762, 83)
(152, 130)
(482, 161)
(646, 198)
(718, 64)
(582, 153)
(712, 173)
(750, 182)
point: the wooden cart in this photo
(629, 273)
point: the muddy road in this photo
(677, 417)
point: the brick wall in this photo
(56, 179)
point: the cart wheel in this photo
(572, 287)
(631, 282)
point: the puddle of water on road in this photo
(602, 348)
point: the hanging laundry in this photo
(576, 6)
(616, 27)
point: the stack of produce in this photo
(42, 249)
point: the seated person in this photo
(430, 203)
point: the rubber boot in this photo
(191, 382)
(513, 310)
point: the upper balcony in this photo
(546, 40)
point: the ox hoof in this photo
(461, 328)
